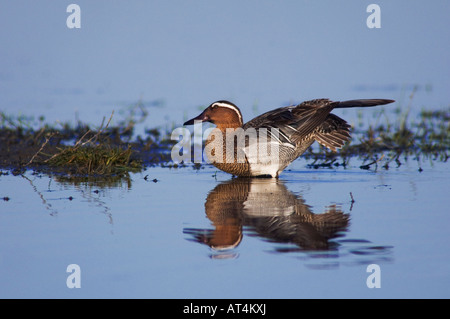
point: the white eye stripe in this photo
(230, 106)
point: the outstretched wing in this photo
(333, 133)
(295, 123)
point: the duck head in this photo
(222, 113)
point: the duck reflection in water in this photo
(266, 208)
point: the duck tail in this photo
(362, 103)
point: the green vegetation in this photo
(94, 157)
(426, 136)
(95, 160)
(81, 151)
(391, 137)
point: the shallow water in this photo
(185, 233)
(311, 234)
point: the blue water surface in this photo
(137, 239)
(179, 236)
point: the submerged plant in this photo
(428, 135)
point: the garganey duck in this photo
(267, 144)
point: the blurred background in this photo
(183, 55)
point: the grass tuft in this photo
(428, 135)
(95, 160)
